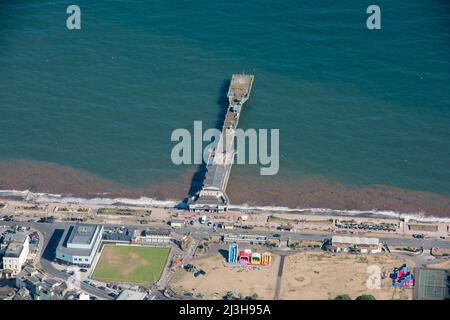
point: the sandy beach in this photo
(303, 193)
(220, 279)
(317, 275)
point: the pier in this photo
(212, 196)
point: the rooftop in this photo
(14, 250)
(82, 243)
(131, 295)
(82, 234)
(18, 236)
(157, 232)
(355, 240)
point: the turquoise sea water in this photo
(354, 106)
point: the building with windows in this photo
(79, 244)
(154, 237)
(16, 252)
(118, 234)
(40, 286)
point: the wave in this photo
(145, 201)
(419, 216)
(59, 198)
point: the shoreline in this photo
(145, 202)
(52, 182)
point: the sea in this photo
(363, 115)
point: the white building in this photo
(177, 223)
(155, 237)
(16, 252)
(131, 295)
(84, 296)
(364, 244)
(79, 244)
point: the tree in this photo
(342, 297)
(366, 297)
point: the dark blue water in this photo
(355, 107)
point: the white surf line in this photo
(150, 202)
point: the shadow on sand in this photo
(224, 253)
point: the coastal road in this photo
(391, 240)
(205, 231)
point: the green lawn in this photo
(130, 264)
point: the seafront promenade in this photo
(249, 221)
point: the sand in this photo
(259, 190)
(441, 265)
(318, 275)
(221, 279)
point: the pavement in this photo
(279, 278)
(52, 233)
(391, 240)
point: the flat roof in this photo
(82, 234)
(67, 235)
(355, 240)
(18, 236)
(131, 295)
(157, 232)
(14, 250)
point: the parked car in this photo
(83, 270)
